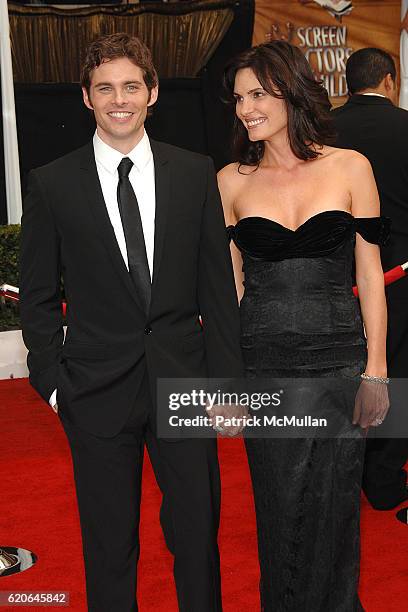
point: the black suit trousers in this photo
(108, 483)
(384, 477)
(376, 128)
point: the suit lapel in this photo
(162, 187)
(93, 191)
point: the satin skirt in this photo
(307, 500)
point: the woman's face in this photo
(263, 115)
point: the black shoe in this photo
(391, 503)
(402, 516)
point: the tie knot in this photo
(125, 167)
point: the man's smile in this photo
(121, 115)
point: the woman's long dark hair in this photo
(281, 66)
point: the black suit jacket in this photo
(379, 130)
(110, 343)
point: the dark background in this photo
(52, 119)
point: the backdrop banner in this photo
(328, 31)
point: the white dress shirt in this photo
(372, 93)
(141, 177)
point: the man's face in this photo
(119, 98)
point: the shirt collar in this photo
(110, 158)
(371, 93)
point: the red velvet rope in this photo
(390, 277)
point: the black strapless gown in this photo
(300, 318)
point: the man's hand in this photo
(55, 408)
(228, 419)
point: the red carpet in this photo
(38, 512)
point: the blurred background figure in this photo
(371, 123)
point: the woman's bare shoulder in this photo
(346, 163)
(231, 180)
(235, 175)
(347, 157)
(228, 173)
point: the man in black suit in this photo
(135, 228)
(371, 123)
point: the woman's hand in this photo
(371, 404)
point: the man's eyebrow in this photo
(104, 84)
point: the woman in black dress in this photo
(298, 212)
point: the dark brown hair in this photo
(113, 46)
(284, 72)
(366, 68)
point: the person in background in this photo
(371, 122)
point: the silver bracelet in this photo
(383, 380)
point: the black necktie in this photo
(133, 230)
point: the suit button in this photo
(148, 330)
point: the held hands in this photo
(55, 408)
(371, 404)
(227, 419)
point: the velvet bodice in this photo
(322, 234)
(300, 281)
